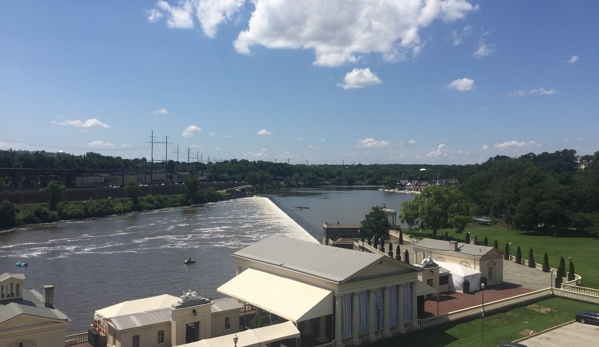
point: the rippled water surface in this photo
(97, 263)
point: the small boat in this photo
(21, 264)
(189, 261)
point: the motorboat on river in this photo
(21, 264)
(189, 261)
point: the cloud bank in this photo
(188, 132)
(387, 27)
(517, 144)
(462, 84)
(370, 143)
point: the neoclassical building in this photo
(487, 260)
(28, 318)
(331, 294)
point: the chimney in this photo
(49, 295)
(453, 246)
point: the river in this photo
(96, 263)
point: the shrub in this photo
(546, 263)
(446, 236)
(397, 253)
(467, 238)
(496, 245)
(506, 254)
(8, 214)
(519, 256)
(406, 256)
(531, 259)
(483, 280)
(571, 271)
(401, 237)
(561, 270)
(486, 241)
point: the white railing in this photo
(75, 339)
(580, 290)
(576, 296)
(433, 321)
(363, 337)
(394, 329)
(347, 341)
(499, 304)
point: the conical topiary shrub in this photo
(446, 236)
(466, 288)
(571, 271)
(496, 245)
(561, 270)
(467, 238)
(519, 256)
(406, 256)
(382, 245)
(486, 241)
(546, 263)
(401, 237)
(506, 254)
(531, 259)
(397, 253)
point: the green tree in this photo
(546, 263)
(571, 271)
(389, 182)
(7, 214)
(519, 256)
(438, 208)
(531, 259)
(53, 189)
(190, 189)
(397, 253)
(406, 256)
(375, 224)
(133, 191)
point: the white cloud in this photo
(412, 142)
(338, 31)
(125, 145)
(190, 130)
(465, 152)
(100, 144)
(485, 147)
(517, 144)
(538, 91)
(226, 136)
(573, 59)
(298, 138)
(178, 16)
(80, 124)
(483, 50)
(323, 140)
(153, 15)
(462, 84)
(196, 146)
(359, 78)
(370, 142)
(315, 148)
(542, 91)
(264, 132)
(439, 152)
(261, 154)
(457, 37)
(161, 111)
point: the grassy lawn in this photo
(583, 250)
(498, 328)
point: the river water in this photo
(99, 262)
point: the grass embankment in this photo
(583, 250)
(498, 328)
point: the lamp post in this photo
(235, 339)
(482, 319)
(510, 250)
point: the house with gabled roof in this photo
(28, 318)
(334, 296)
(487, 260)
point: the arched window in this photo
(465, 264)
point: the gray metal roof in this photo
(227, 304)
(330, 263)
(7, 275)
(32, 304)
(141, 319)
(463, 248)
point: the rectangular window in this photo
(161, 336)
(491, 273)
(135, 341)
(227, 323)
(429, 282)
(443, 280)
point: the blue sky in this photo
(331, 81)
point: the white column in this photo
(355, 319)
(386, 308)
(414, 307)
(400, 308)
(338, 318)
(371, 304)
(322, 330)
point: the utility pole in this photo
(177, 151)
(152, 144)
(187, 155)
(166, 151)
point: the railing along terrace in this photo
(394, 329)
(433, 321)
(363, 337)
(581, 290)
(75, 339)
(576, 296)
(347, 341)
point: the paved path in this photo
(525, 276)
(573, 334)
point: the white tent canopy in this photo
(288, 299)
(252, 337)
(460, 273)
